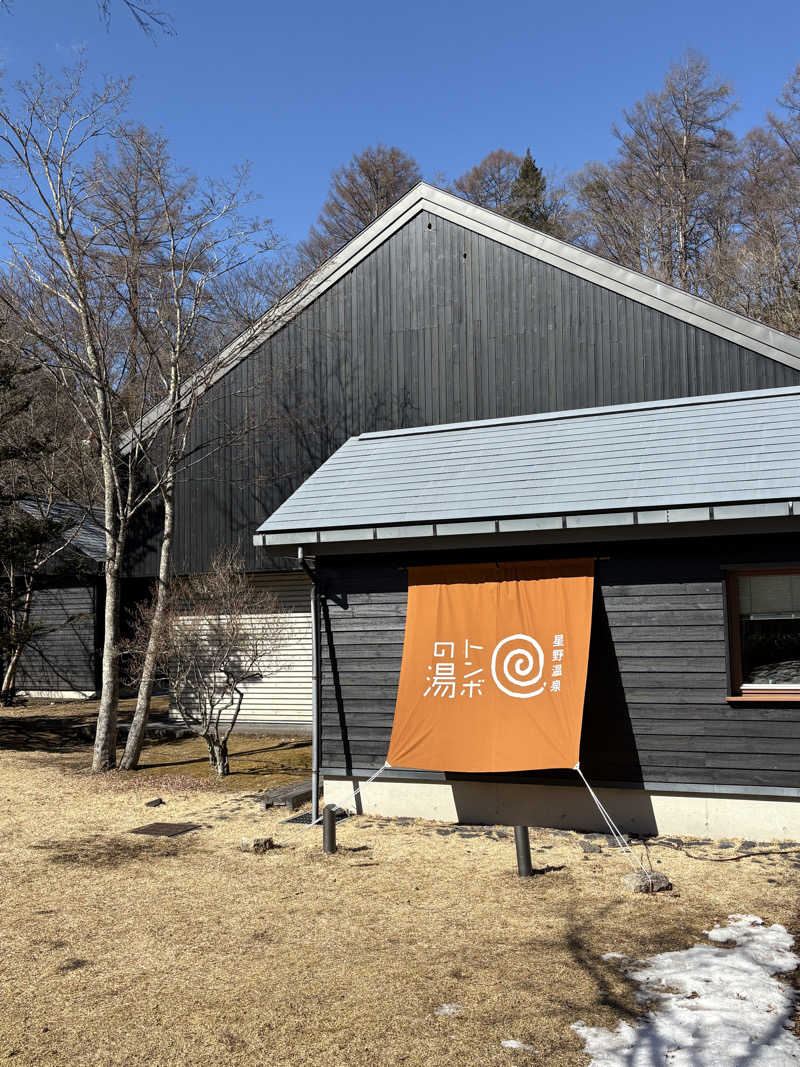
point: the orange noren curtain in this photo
(494, 667)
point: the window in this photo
(764, 609)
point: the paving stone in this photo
(746, 846)
(154, 803)
(589, 846)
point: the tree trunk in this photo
(18, 628)
(133, 746)
(9, 678)
(218, 756)
(105, 740)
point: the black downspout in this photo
(316, 684)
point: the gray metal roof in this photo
(80, 530)
(699, 458)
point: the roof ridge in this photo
(713, 318)
(576, 413)
(605, 267)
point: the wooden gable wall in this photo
(439, 324)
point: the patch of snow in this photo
(713, 1005)
(517, 1044)
(448, 1009)
(613, 956)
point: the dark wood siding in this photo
(655, 707)
(62, 658)
(438, 325)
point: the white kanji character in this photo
(555, 686)
(558, 640)
(443, 682)
(473, 688)
(557, 670)
(558, 655)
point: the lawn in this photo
(122, 949)
(68, 729)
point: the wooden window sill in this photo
(765, 698)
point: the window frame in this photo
(735, 695)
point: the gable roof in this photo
(81, 532)
(577, 261)
(728, 456)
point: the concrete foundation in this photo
(636, 811)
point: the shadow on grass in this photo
(105, 851)
(581, 942)
(68, 733)
(265, 765)
(650, 1046)
(734, 858)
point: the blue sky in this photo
(298, 88)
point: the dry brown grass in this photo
(121, 949)
(68, 729)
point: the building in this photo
(690, 510)
(62, 662)
(439, 312)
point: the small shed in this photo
(689, 507)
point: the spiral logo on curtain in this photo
(517, 666)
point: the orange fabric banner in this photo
(494, 667)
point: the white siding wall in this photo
(284, 699)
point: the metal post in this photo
(523, 844)
(315, 686)
(329, 829)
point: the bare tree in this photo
(218, 633)
(664, 203)
(148, 18)
(114, 252)
(239, 299)
(760, 275)
(786, 125)
(359, 191)
(38, 452)
(490, 183)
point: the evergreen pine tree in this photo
(528, 201)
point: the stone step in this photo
(288, 796)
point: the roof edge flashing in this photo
(436, 530)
